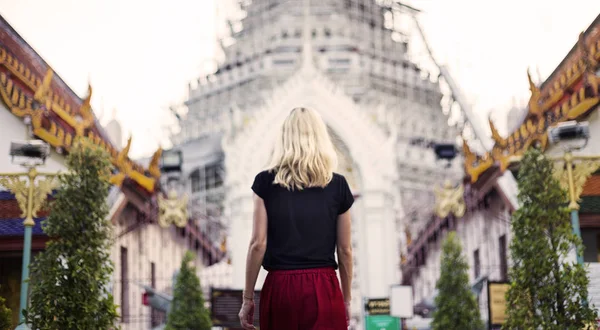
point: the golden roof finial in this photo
(154, 167)
(86, 106)
(43, 90)
(534, 106)
(495, 135)
(123, 154)
(224, 245)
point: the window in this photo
(283, 62)
(195, 179)
(124, 286)
(503, 259)
(340, 61)
(476, 263)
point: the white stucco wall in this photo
(149, 243)
(12, 128)
(481, 230)
(593, 146)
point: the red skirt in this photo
(307, 299)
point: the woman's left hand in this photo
(247, 314)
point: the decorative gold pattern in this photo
(42, 91)
(42, 189)
(19, 188)
(30, 195)
(570, 94)
(449, 200)
(79, 123)
(581, 172)
(172, 210)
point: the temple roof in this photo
(570, 93)
(31, 90)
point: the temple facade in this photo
(344, 59)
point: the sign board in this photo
(225, 306)
(497, 303)
(401, 301)
(382, 322)
(378, 306)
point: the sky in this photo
(139, 55)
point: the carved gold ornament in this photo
(172, 210)
(449, 199)
(581, 172)
(43, 90)
(19, 188)
(29, 193)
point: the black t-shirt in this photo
(302, 224)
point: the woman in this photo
(301, 214)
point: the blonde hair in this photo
(304, 155)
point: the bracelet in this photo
(248, 298)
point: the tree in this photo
(5, 316)
(69, 280)
(547, 290)
(456, 306)
(187, 309)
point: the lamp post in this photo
(30, 195)
(572, 133)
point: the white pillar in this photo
(379, 244)
(240, 232)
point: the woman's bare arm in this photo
(258, 245)
(344, 252)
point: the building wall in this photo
(147, 244)
(12, 128)
(479, 230)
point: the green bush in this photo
(187, 310)
(69, 280)
(5, 316)
(456, 307)
(547, 290)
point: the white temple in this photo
(340, 58)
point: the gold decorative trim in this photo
(545, 110)
(581, 172)
(81, 122)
